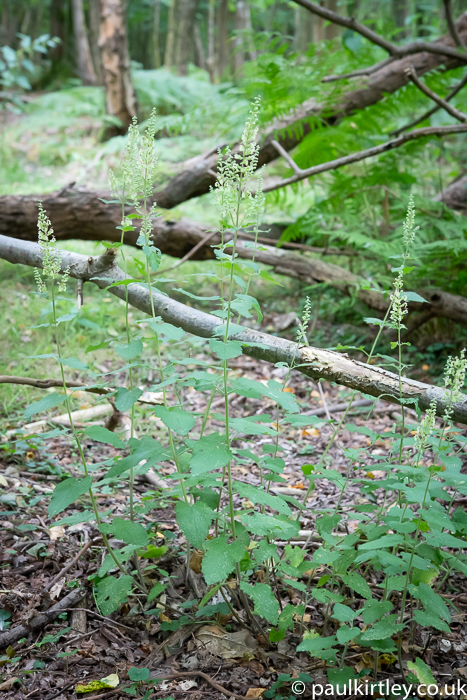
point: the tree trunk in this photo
(94, 29)
(304, 28)
(184, 43)
(211, 62)
(83, 215)
(223, 38)
(113, 45)
(249, 35)
(312, 362)
(240, 25)
(199, 46)
(169, 59)
(399, 13)
(83, 53)
(57, 29)
(156, 34)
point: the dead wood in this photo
(312, 362)
(41, 620)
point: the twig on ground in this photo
(39, 621)
(190, 253)
(208, 679)
(101, 617)
(70, 564)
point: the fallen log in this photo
(81, 214)
(454, 195)
(312, 362)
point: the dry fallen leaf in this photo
(195, 561)
(254, 692)
(57, 588)
(8, 685)
(227, 645)
(56, 532)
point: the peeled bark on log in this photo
(310, 361)
(81, 214)
(195, 176)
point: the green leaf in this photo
(422, 671)
(374, 610)
(314, 645)
(176, 419)
(153, 256)
(100, 434)
(257, 495)
(156, 590)
(86, 516)
(343, 613)
(130, 351)
(345, 634)
(249, 426)
(49, 401)
(74, 363)
(195, 521)
(225, 351)
(266, 604)
(112, 592)
(193, 296)
(209, 452)
(126, 530)
(340, 677)
(147, 449)
(138, 674)
(220, 559)
(67, 317)
(382, 630)
(385, 541)
(67, 492)
(263, 525)
(167, 330)
(432, 601)
(413, 296)
(124, 398)
(427, 619)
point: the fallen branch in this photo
(429, 131)
(460, 116)
(312, 362)
(457, 88)
(39, 621)
(377, 39)
(454, 195)
(71, 563)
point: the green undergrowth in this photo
(383, 568)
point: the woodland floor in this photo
(34, 552)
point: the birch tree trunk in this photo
(113, 45)
(83, 53)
